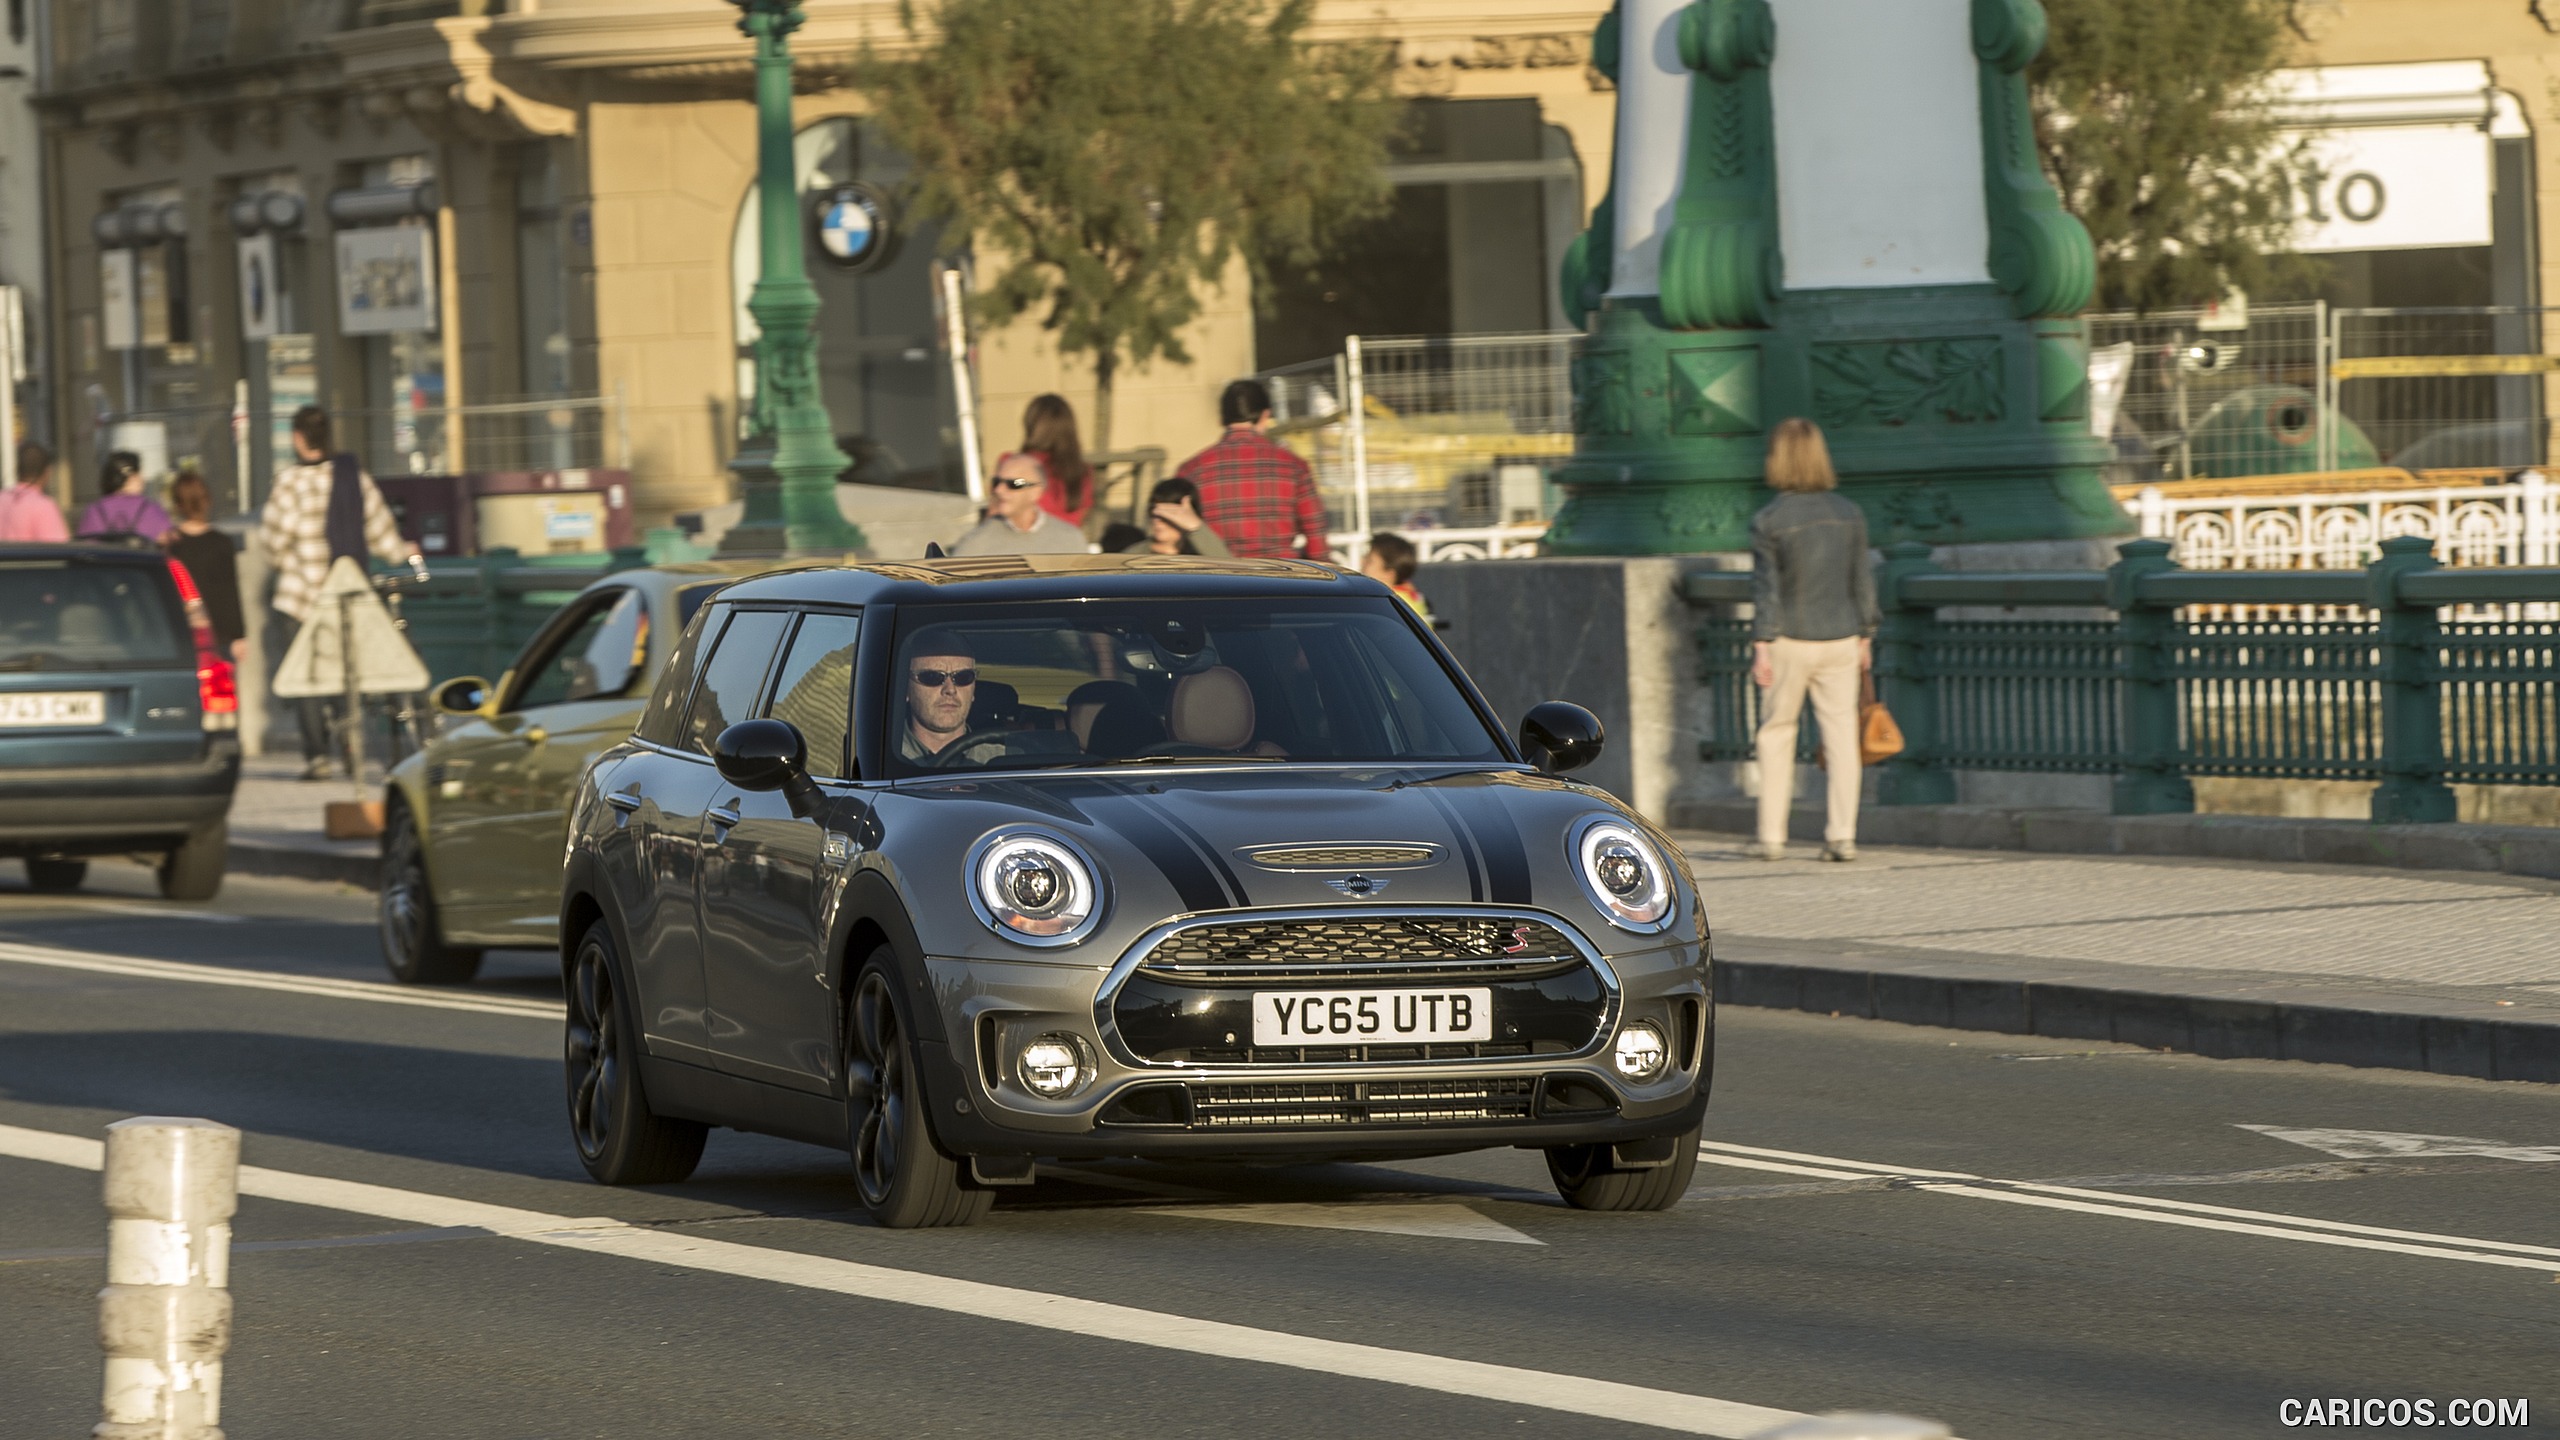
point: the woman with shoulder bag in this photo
(1813, 604)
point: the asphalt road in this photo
(2023, 1239)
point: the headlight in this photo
(1054, 1066)
(1641, 1051)
(1034, 888)
(1622, 874)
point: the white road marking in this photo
(1433, 1221)
(2143, 1207)
(2392, 1144)
(373, 991)
(1539, 1389)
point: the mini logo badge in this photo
(1358, 887)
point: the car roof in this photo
(1052, 577)
(679, 574)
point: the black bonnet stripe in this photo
(1192, 879)
(1506, 861)
(1207, 851)
(1458, 831)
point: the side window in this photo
(663, 722)
(814, 691)
(734, 675)
(561, 667)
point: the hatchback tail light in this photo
(217, 683)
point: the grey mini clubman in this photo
(960, 864)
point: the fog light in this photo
(1054, 1067)
(1641, 1051)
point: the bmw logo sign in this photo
(852, 226)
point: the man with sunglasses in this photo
(941, 686)
(1015, 523)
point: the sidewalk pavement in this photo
(2445, 971)
(276, 825)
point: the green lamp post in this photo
(787, 470)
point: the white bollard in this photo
(1845, 1426)
(165, 1317)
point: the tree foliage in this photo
(2156, 123)
(1111, 158)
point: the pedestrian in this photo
(27, 511)
(1813, 623)
(322, 507)
(1016, 524)
(1257, 495)
(1391, 562)
(211, 558)
(1049, 436)
(122, 512)
(1174, 526)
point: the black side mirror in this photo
(463, 695)
(1558, 736)
(767, 755)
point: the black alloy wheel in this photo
(413, 946)
(620, 1139)
(905, 1180)
(1587, 1180)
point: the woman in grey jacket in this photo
(1813, 625)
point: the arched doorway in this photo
(882, 366)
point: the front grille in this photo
(1280, 1106)
(1436, 944)
(1346, 857)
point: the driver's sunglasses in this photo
(1014, 482)
(934, 679)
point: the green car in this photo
(474, 825)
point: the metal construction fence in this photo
(2405, 694)
(560, 432)
(471, 614)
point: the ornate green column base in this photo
(1950, 421)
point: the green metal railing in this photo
(472, 614)
(2396, 694)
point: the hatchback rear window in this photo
(80, 615)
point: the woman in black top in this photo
(211, 558)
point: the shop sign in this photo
(258, 298)
(386, 280)
(851, 224)
(2401, 187)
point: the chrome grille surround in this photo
(1442, 967)
(1364, 943)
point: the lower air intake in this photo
(1278, 1106)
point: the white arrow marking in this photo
(2393, 1145)
(1431, 1221)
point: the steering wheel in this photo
(942, 759)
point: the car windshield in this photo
(80, 615)
(1170, 682)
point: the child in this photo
(1390, 562)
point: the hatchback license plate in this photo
(53, 710)
(1364, 1017)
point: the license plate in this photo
(53, 710)
(1367, 1017)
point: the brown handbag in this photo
(1879, 739)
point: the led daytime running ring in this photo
(1624, 874)
(1034, 888)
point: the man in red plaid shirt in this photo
(1258, 497)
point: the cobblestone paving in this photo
(2378, 924)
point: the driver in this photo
(941, 680)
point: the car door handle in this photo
(623, 801)
(724, 817)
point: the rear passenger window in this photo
(814, 691)
(734, 675)
(663, 722)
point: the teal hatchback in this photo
(119, 722)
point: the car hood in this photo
(1185, 842)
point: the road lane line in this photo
(372, 991)
(1545, 1390)
(2158, 1211)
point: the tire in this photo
(1586, 1180)
(55, 876)
(193, 871)
(620, 1139)
(904, 1178)
(413, 944)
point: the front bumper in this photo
(104, 810)
(1150, 1107)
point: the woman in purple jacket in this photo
(123, 512)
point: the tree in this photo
(2157, 124)
(1111, 158)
